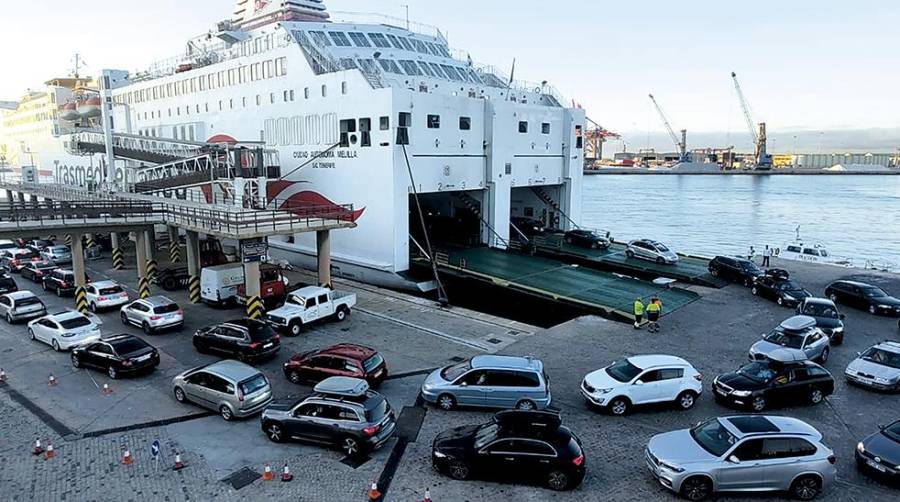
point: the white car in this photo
(104, 295)
(153, 314)
(64, 330)
(643, 380)
(651, 250)
(20, 305)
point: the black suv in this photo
(776, 284)
(863, 296)
(7, 284)
(60, 281)
(117, 355)
(341, 411)
(520, 445)
(244, 339)
(586, 239)
(757, 385)
(735, 270)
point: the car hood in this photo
(765, 347)
(882, 446)
(600, 379)
(678, 447)
(738, 381)
(871, 368)
(887, 300)
(434, 378)
(286, 310)
(456, 438)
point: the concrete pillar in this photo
(118, 256)
(78, 268)
(9, 197)
(90, 240)
(192, 239)
(174, 247)
(323, 254)
(255, 307)
(149, 248)
(141, 251)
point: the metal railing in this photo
(349, 17)
(134, 142)
(89, 213)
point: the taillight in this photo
(371, 431)
(64, 284)
(277, 337)
(127, 362)
(180, 312)
(102, 299)
(831, 459)
(578, 460)
(240, 395)
(38, 273)
(698, 377)
(254, 345)
(155, 317)
(15, 261)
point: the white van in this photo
(219, 284)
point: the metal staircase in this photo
(546, 198)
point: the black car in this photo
(760, 384)
(61, 282)
(827, 317)
(530, 446)
(776, 284)
(734, 269)
(117, 355)
(880, 452)
(863, 296)
(586, 239)
(37, 270)
(7, 284)
(528, 226)
(244, 339)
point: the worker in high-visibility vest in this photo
(654, 308)
(638, 313)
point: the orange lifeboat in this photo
(68, 111)
(89, 108)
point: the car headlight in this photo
(604, 391)
(839, 329)
(789, 297)
(443, 455)
(883, 381)
(671, 467)
(860, 447)
(884, 306)
(741, 393)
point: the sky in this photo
(804, 65)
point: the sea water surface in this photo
(853, 216)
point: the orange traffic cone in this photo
(38, 449)
(106, 390)
(286, 475)
(374, 494)
(52, 380)
(427, 496)
(126, 458)
(49, 453)
(267, 474)
(2, 375)
(179, 465)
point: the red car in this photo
(344, 359)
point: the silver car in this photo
(57, 255)
(797, 335)
(651, 250)
(876, 368)
(491, 382)
(231, 388)
(152, 314)
(20, 305)
(742, 453)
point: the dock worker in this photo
(638, 312)
(653, 311)
(767, 256)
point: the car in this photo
(7, 284)
(878, 367)
(308, 305)
(61, 281)
(879, 453)
(341, 411)
(739, 270)
(102, 295)
(38, 244)
(798, 334)
(586, 239)
(777, 285)
(21, 305)
(530, 446)
(641, 380)
(7, 244)
(14, 259)
(58, 255)
(746, 453)
(527, 226)
(231, 388)
(344, 359)
(761, 384)
(117, 355)
(490, 381)
(828, 318)
(64, 330)
(152, 314)
(37, 270)
(650, 250)
(244, 339)
(863, 296)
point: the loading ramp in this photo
(604, 293)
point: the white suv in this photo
(643, 380)
(64, 330)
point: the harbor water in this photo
(853, 216)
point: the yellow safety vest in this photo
(653, 307)
(638, 308)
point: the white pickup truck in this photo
(309, 304)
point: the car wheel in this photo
(124, 318)
(93, 307)
(758, 403)
(459, 470)
(294, 377)
(755, 291)
(686, 400)
(44, 286)
(696, 488)
(179, 395)
(9, 318)
(872, 310)
(31, 334)
(147, 329)
(350, 446)
(75, 362)
(111, 371)
(226, 412)
(59, 292)
(341, 314)
(526, 405)
(816, 396)
(824, 357)
(618, 406)
(806, 487)
(629, 253)
(446, 402)
(558, 481)
(274, 433)
(295, 328)
(55, 345)
(780, 301)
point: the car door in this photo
(741, 468)
(502, 459)
(136, 313)
(5, 305)
(670, 383)
(501, 389)
(782, 387)
(645, 388)
(308, 422)
(229, 340)
(45, 330)
(100, 356)
(815, 344)
(782, 461)
(91, 293)
(197, 388)
(311, 313)
(326, 307)
(218, 390)
(469, 388)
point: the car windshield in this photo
(623, 371)
(163, 309)
(662, 248)
(820, 310)
(451, 373)
(253, 384)
(296, 300)
(758, 371)
(873, 292)
(893, 431)
(130, 345)
(114, 290)
(29, 300)
(75, 322)
(785, 339)
(883, 357)
(713, 437)
(373, 362)
(377, 408)
(485, 434)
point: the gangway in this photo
(133, 146)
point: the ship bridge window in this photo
(324, 90)
(410, 67)
(344, 87)
(390, 66)
(365, 132)
(523, 126)
(433, 49)
(395, 42)
(437, 70)
(474, 76)
(464, 74)
(384, 123)
(306, 93)
(444, 51)
(367, 65)
(405, 119)
(465, 123)
(451, 72)
(545, 128)
(280, 67)
(359, 39)
(426, 68)
(379, 40)
(434, 121)
(420, 46)
(320, 38)
(339, 39)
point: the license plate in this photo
(143, 358)
(878, 467)
(266, 346)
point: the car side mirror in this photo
(639, 382)
(463, 384)
(734, 460)
(881, 427)
(762, 335)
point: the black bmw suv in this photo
(244, 339)
(761, 384)
(530, 446)
(736, 270)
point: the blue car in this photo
(490, 382)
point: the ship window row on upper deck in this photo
(381, 40)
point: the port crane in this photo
(595, 136)
(763, 160)
(681, 144)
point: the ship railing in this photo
(165, 146)
(495, 77)
(348, 17)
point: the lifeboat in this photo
(89, 107)
(68, 112)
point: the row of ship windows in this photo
(465, 123)
(380, 40)
(235, 76)
(301, 130)
(29, 119)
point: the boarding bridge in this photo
(133, 146)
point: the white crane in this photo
(681, 144)
(759, 138)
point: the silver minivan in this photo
(231, 388)
(20, 305)
(490, 381)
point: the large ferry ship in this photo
(381, 114)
